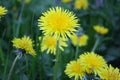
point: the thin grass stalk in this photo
(5, 69)
(19, 20)
(2, 56)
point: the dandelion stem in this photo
(96, 43)
(77, 49)
(14, 62)
(76, 53)
(56, 63)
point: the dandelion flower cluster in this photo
(24, 43)
(66, 1)
(74, 69)
(49, 43)
(92, 62)
(100, 29)
(58, 22)
(81, 4)
(81, 41)
(3, 11)
(109, 73)
(87, 63)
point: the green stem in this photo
(41, 60)
(77, 49)
(96, 43)
(56, 63)
(14, 62)
(76, 53)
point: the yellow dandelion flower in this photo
(100, 29)
(81, 41)
(109, 73)
(24, 43)
(3, 11)
(92, 62)
(81, 4)
(49, 43)
(74, 69)
(66, 1)
(58, 22)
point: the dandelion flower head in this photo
(49, 43)
(24, 43)
(3, 11)
(100, 29)
(81, 41)
(109, 73)
(58, 22)
(81, 4)
(92, 62)
(74, 69)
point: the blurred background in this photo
(22, 19)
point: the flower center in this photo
(77, 68)
(58, 21)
